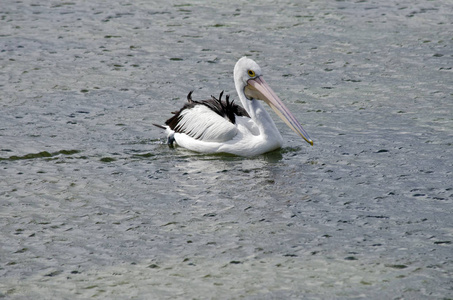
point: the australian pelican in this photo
(220, 126)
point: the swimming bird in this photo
(221, 126)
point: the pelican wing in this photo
(202, 123)
(210, 120)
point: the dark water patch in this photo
(442, 243)
(290, 255)
(107, 159)
(153, 266)
(419, 195)
(144, 155)
(210, 215)
(22, 250)
(378, 217)
(43, 154)
(289, 149)
(30, 156)
(350, 258)
(218, 25)
(54, 273)
(396, 266)
(63, 4)
(382, 151)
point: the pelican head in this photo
(250, 82)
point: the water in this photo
(94, 205)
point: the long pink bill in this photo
(259, 89)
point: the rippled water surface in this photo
(93, 204)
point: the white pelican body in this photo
(216, 126)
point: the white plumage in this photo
(217, 126)
(206, 125)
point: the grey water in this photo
(93, 204)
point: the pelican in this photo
(221, 126)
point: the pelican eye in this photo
(251, 73)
